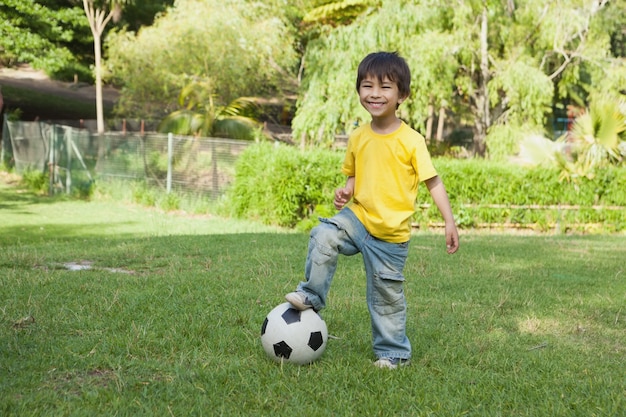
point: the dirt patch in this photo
(26, 77)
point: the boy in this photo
(385, 161)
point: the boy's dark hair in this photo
(386, 64)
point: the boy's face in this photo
(380, 99)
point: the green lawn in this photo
(167, 321)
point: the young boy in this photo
(385, 161)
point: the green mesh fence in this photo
(76, 157)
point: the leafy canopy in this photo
(44, 36)
(513, 56)
(245, 48)
(201, 116)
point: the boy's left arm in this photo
(440, 197)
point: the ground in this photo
(27, 78)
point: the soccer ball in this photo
(292, 335)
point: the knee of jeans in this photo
(319, 253)
(326, 236)
(388, 294)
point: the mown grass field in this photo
(166, 322)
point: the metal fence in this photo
(75, 157)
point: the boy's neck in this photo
(385, 125)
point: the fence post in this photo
(68, 150)
(51, 162)
(170, 145)
(5, 137)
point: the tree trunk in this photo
(98, 19)
(481, 99)
(98, 66)
(440, 123)
(429, 121)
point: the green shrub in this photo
(169, 202)
(36, 181)
(486, 193)
(288, 187)
(144, 195)
(83, 190)
(282, 185)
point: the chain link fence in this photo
(75, 158)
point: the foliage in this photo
(528, 102)
(282, 185)
(200, 116)
(501, 194)
(36, 181)
(244, 48)
(491, 63)
(596, 140)
(495, 66)
(504, 140)
(285, 186)
(44, 36)
(337, 13)
(53, 35)
(598, 133)
(328, 103)
(141, 13)
(99, 13)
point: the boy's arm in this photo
(343, 195)
(440, 197)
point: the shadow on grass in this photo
(45, 231)
(15, 195)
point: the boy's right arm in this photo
(343, 195)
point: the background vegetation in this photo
(54, 35)
(486, 74)
(288, 187)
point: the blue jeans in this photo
(384, 262)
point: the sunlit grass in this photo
(166, 321)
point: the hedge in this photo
(487, 194)
(285, 186)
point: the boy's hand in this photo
(452, 238)
(342, 196)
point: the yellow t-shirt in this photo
(387, 170)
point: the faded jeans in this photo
(384, 262)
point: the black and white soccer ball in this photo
(291, 335)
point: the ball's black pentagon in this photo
(264, 326)
(291, 315)
(316, 340)
(282, 350)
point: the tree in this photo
(48, 36)
(328, 104)
(495, 64)
(201, 116)
(53, 35)
(245, 48)
(99, 14)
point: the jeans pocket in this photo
(388, 296)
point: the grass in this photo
(167, 321)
